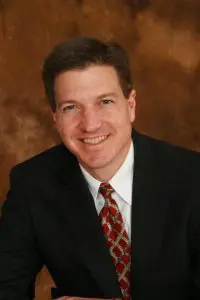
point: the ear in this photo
(54, 117)
(132, 105)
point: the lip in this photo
(92, 136)
(95, 140)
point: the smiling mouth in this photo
(95, 140)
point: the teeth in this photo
(95, 140)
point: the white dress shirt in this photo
(122, 183)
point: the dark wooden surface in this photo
(162, 38)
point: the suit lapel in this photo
(76, 206)
(149, 207)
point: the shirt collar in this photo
(93, 183)
(121, 181)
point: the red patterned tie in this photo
(117, 238)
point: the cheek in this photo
(61, 129)
(123, 119)
(62, 125)
(68, 133)
(114, 116)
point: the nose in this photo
(90, 120)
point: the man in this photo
(110, 212)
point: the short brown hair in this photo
(80, 53)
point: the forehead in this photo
(92, 78)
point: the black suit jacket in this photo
(49, 218)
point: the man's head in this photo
(80, 53)
(88, 85)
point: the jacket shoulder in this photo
(173, 159)
(165, 147)
(45, 163)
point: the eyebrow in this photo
(106, 95)
(65, 102)
(101, 96)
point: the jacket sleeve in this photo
(19, 258)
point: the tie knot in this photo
(106, 189)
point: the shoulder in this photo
(47, 163)
(172, 158)
(164, 147)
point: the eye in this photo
(68, 107)
(106, 101)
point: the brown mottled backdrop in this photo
(162, 38)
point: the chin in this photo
(96, 164)
(92, 165)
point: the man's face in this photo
(94, 118)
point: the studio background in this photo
(162, 38)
